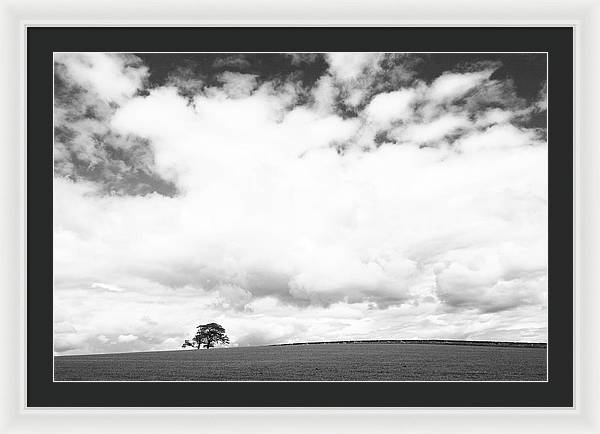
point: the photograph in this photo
(300, 216)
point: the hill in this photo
(314, 362)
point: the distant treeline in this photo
(428, 341)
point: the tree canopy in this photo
(207, 335)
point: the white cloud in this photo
(112, 77)
(497, 137)
(450, 86)
(325, 93)
(387, 107)
(127, 338)
(279, 237)
(349, 66)
(113, 288)
(237, 85)
(493, 278)
(432, 131)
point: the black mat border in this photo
(43, 41)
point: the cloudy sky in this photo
(298, 197)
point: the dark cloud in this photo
(188, 80)
(235, 62)
(304, 58)
(527, 70)
(185, 67)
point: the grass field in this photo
(325, 362)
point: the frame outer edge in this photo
(589, 209)
(587, 213)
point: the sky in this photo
(295, 197)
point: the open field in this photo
(323, 362)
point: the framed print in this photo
(266, 223)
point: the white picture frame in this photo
(583, 15)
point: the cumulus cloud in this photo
(237, 85)
(292, 221)
(387, 107)
(112, 77)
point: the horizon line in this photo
(351, 341)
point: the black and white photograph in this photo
(300, 216)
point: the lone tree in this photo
(207, 335)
